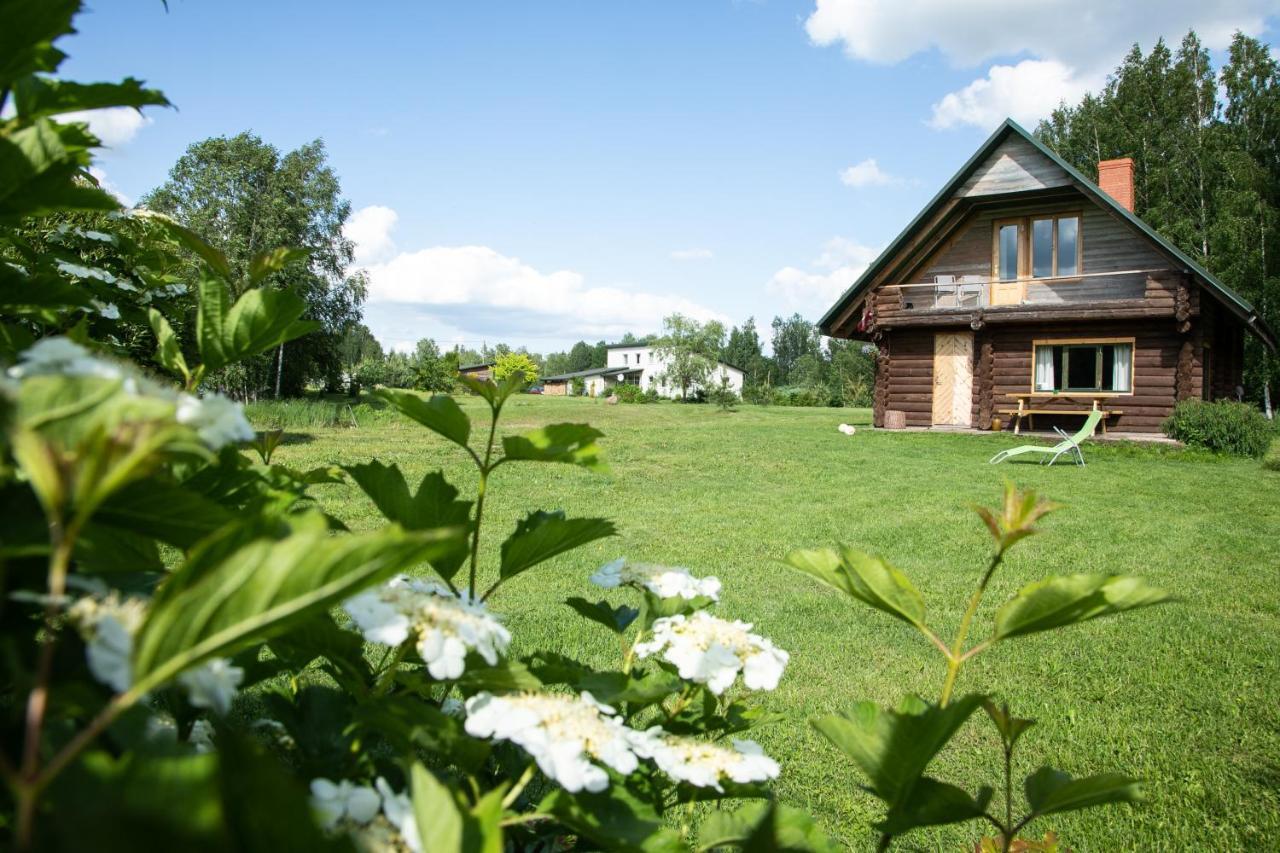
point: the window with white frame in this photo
(1083, 366)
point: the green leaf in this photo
(616, 619)
(444, 823)
(164, 511)
(639, 689)
(189, 240)
(441, 414)
(258, 321)
(893, 748)
(102, 549)
(214, 606)
(494, 393)
(871, 580)
(503, 677)
(574, 444)
(35, 97)
(1011, 728)
(440, 819)
(763, 826)
(614, 819)
(26, 39)
(1067, 600)
(168, 350)
(1049, 791)
(539, 536)
(409, 723)
(435, 504)
(933, 803)
(265, 263)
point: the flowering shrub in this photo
(893, 747)
(183, 628)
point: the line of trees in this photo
(1206, 150)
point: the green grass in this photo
(1184, 696)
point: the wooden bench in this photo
(1025, 409)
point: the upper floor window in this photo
(1037, 247)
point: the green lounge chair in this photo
(1069, 444)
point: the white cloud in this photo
(1068, 45)
(1025, 92)
(831, 273)
(114, 125)
(370, 229)
(103, 181)
(482, 292)
(867, 174)
(692, 255)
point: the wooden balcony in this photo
(969, 292)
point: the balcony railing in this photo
(966, 292)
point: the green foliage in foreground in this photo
(894, 748)
(1179, 696)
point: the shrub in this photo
(1224, 425)
(633, 394)
(578, 386)
(722, 394)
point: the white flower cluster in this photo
(662, 581)
(216, 419)
(445, 625)
(345, 802)
(703, 764)
(712, 651)
(108, 626)
(564, 734)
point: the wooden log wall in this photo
(1167, 366)
(909, 377)
(984, 397)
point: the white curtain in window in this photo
(1044, 369)
(1121, 367)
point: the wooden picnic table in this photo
(1031, 404)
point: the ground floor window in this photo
(1084, 365)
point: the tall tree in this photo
(691, 350)
(1207, 162)
(358, 344)
(581, 356)
(244, 197)
(792, 338)
(745, 352)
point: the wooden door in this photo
(953, 379)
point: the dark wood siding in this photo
(910, 381)
(1159, 353)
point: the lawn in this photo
(1184, 696)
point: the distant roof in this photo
(1233, 301)
(643, 343)
(475, 366)
(595, 371)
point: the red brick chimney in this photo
(1115, 178)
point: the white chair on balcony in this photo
(944, 291)
(969, 292)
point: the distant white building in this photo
(633, 364)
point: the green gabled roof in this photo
(1234, 301)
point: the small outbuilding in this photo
(481, 371)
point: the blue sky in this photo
(536, 173)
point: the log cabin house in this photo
(1024, 289)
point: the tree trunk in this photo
(279, 368)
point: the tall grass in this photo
(317, 412)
